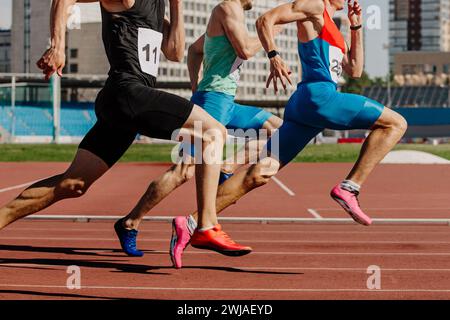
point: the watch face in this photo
(272, 54)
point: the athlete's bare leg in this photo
(158, 190)
(245, 181)
(85, 169)
(181, 172)
(252, 148)
(386, 132)
(207, 172)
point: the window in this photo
(74, 68)
(446, 68)
(73, 53)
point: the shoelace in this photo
(226, 237)
(356, 193)
(131, 237)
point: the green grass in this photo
(161, 152)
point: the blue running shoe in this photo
(224, 177)
(127, 239)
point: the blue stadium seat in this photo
(38, 120)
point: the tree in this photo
(353, 85)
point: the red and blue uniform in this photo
(317, 105)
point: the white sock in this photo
(350, 186)
(191, 224)
(205, 229)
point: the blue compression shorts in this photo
(232, 115)
(316, 106)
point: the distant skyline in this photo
(377, 61)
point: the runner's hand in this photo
(354, 13)
(278, 70)
(52, 61)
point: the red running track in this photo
(392, 191)
(290, 261)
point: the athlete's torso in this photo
(221, 66)
(125, 32)
(322, 57)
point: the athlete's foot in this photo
(217, 240)
(224, 177)
(349, 201)
(127, 239)
(179, 241)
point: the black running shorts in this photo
(127, 108)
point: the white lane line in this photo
(330, 253)
(19, 186)
(315, 214)
(303, 231)
(337, 269)
(227, 289)
(283, 186)
(398, 221)
(141, 239)
(300, 253)
(261, 268)
(426, 209)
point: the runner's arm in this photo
(173, 34)
(54, 59)
(299, 10)
(194, 60)
(235, 29)
(353, 63)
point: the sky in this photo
(375, 39)
(377, 58)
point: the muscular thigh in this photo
(156, 113)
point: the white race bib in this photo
(235, 71)
(336, 57)
(149, 50)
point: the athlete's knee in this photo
(400, 124)
(272, 124)
(214, 132)
(183, 172)
(72, 187)
(260, 173)
(397, 124)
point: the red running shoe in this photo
(217, 240)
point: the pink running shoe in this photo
(349, 201)
(179, 241)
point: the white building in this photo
(419, 25)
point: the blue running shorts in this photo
(316, 106)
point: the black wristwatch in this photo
(356, 27)
(272, 54)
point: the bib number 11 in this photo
(149, 46)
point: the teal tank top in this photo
(221, 66)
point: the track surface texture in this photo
(289, 261)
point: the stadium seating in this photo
(38, 120)
(411, 96)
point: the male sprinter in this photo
(134, 34)
(316, 104)
(222, 50)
